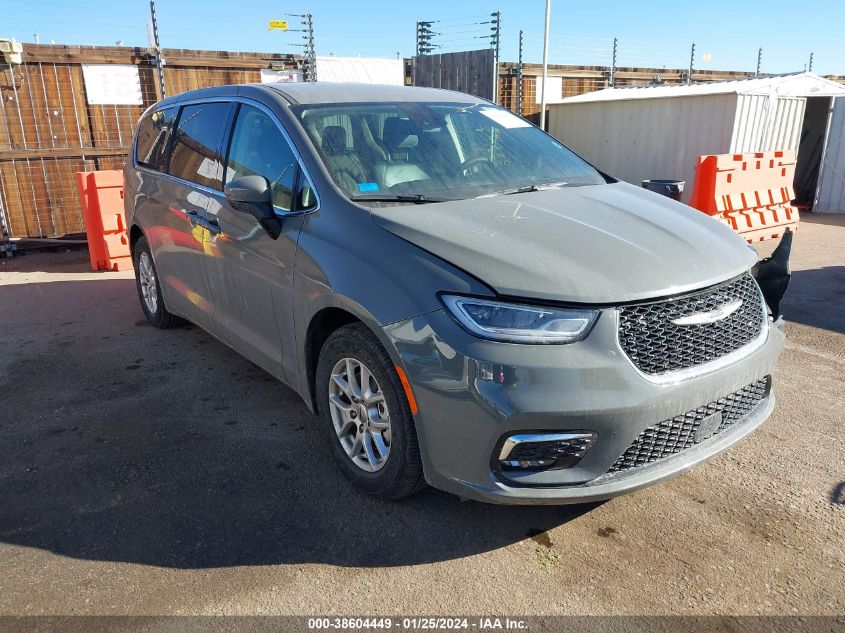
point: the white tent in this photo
(638, 133)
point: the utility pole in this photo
(310, 50)
(495, 29)
(810, 65)
(691, 62)
(759, 61)
(613, 63)
(157, 49)
(545, 66)
(519, 78)
(424, 35)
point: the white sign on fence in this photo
(554, 89)
(269, 76)
(107, 84)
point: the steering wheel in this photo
(473, 165)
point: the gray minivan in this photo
(461, 299)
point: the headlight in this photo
(514, 323)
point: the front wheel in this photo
(363, 407)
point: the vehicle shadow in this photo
(816, 297)
(121, 442)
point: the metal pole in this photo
(494, 44)
(545, 66)
(310, 51)
(157, 45)
(519, 79)
(759, 61)
(810, 66)
(613, 64)
(691, 61)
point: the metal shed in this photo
(830, 192)
(646, 132)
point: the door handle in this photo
(212, 225)
(198, 219)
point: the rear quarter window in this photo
(153, 137)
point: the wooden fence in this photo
(473, 72)
(48, 130)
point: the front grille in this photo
(656, 345)
(679, 433)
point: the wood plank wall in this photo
(577, 80)
(472, 72)
(48, 131)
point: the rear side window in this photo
(196, 154)
(259, 148)
(153, 136)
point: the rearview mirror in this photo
(251, 194)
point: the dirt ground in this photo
(157, 472)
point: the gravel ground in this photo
(157, 472)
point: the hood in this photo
(592, 244)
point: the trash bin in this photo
(669, 188)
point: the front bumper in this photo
(472, 392)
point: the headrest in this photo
(399, 134)
(334, 139)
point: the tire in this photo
(400, 473)
(146, 281)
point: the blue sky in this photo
(655, 33)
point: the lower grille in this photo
(679, 433)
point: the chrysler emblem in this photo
(711, 316)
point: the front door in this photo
(255, 271)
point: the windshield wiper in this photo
(543, 186)
(416, 198)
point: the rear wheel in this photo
(146, 280)
(366, 414)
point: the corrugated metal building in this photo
(830, 193)
(659, 131)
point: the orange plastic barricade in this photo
(101, 193)
(751, 193)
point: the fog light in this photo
(544, 451)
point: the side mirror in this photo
(251, 194)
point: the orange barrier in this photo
(751, 193)
(101, 193)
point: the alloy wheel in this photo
(149, 289)
(359, 414)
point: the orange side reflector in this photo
(407, 386)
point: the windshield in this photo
(430, 152)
